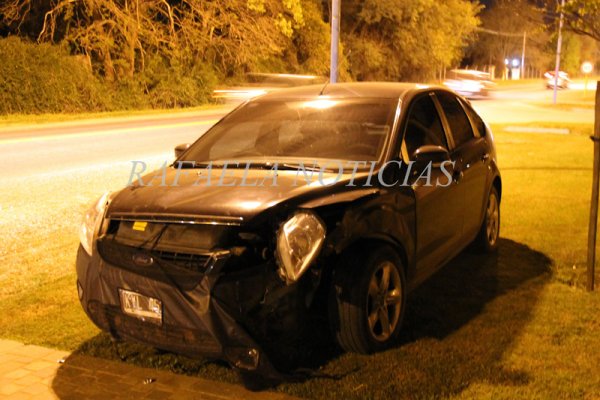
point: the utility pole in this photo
(558, 49)
(591, 257)
(523, 55)
(335, 40)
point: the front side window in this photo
(278, 130)
(423, 126)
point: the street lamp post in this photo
(593, 224)
(523, 56)
(558, 49)
(335, 40)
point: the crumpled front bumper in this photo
(195, 323)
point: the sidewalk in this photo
(33, 372)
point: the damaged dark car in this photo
(329, 202)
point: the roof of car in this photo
(349, 90)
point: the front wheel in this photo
(368, 300)
(487, 238)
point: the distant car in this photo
(563, 81)
(470, 83)
(260, 83)
(404, 177)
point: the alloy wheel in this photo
(384, 301)
(493, 219)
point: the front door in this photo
(439, 215)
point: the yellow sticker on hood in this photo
(140, 226)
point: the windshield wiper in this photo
(251, 164)
(191, 164)
(297, 166)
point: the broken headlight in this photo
(299, 241)
(91, 222)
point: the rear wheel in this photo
(487, 238)
(368, 300)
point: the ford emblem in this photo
(143, 260)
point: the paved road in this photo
(36, 150)
(528, 103)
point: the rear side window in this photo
(423, 126)
(477, 121)
(457, 119)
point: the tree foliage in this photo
(119, 36)
(43, 78)
(406, 40)
(504, 25)
(581, 38)
(171, 52)
(583, 17)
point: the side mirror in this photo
(181, 148)
(431, 154)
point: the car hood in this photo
(239, 195)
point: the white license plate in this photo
(140, 306)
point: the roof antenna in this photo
(324, 87)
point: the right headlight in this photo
(299, 241)
(91, 223)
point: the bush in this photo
(41, 78)
(175, 83)
(128, 95)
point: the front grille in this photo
(185, 270)
(193, 262)
(170, 236)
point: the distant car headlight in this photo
(91, 222)
(299, 241)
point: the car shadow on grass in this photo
(457, 328)
(461, 290)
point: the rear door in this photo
(468, 148)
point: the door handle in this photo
(485, 157)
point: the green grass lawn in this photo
(570, 99)
(518, 324)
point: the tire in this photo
(487, 238)
(368, 300)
